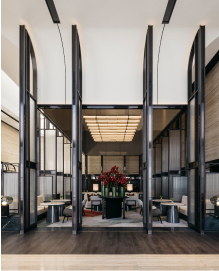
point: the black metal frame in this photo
(197, 51)
(148, 130)
(76, 132)
(26, 52)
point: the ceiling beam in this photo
(53, 11)
(169, 11)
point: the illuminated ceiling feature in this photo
(112, 128)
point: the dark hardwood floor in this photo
(109, 242)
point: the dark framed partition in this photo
(76, 132)
(27, 134)
(148, 130)
(196, 133)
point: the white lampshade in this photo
(129, 187)
(95, 187)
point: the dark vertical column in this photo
(86, 182)
(148, 130)
(22, 79)
(140, 173)
(201, 107)
(76, 132)
(149, 145)
(198, 165)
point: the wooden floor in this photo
(107, 242)
(110, 262)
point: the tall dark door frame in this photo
(196, 134)
(27, 140)
(148, 130)
(76, 132)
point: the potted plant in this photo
(52, 199)
(61, 197)
(161, 197)
(171, 200)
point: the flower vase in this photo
(102, 190)
(114, 192)
(122, 191)
(106, 192)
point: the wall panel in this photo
(94, 164)
(110, 161)
(212, 114)
(9, 144)
(132, 164)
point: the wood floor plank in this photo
(111, 262)
(103, 242)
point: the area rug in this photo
(92, 214)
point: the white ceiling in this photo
(112, 35)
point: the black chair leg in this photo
(161, 220)
(63, 219)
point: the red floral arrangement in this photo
(113, 178)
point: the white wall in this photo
(9, 95)
(112, 35)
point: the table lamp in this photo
(129, 187)
(215, 200)
(5, 201)
(95, 187)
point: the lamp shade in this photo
(129, 187)
(6, 200)
(95, 187)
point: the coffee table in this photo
(172, 211)
(53, 211)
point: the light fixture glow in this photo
(112, 128)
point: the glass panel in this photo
(212, 189)
(192, 196)
(165, 187)
(50, 149)
(192, 131)
(83, 164)
(60, 156)
(158, 158)
(165, 154)
(182, 148)
(67, 158)
(153, 187)
(42, 150)
(67, 188)
(44, 187)
(179, 188)
(31, 77)
(32, 130)
(41, 121)
(11, 189)
(174, 147)
(60, 185)
(158, 187)
(32, 197)
(51, 126)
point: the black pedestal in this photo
(113, 207)
(5, 210)
(52, 214)
(216, 211)
(172, 214)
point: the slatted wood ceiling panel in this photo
(110, 161)
(9, 144)
(132, 164)
(94, 164)
(212, 114)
